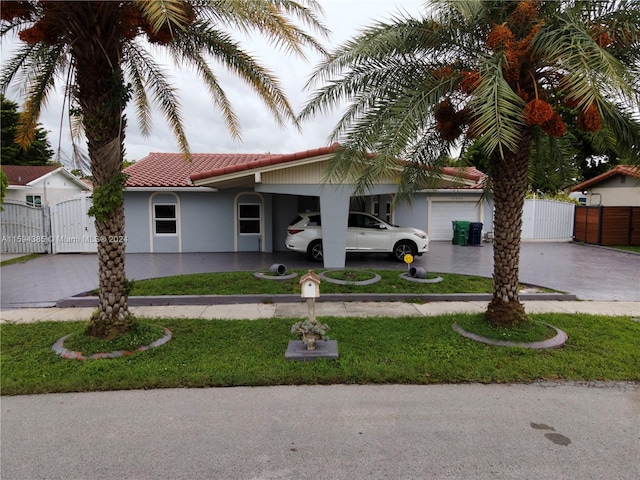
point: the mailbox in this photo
(310, 285)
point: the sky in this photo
(205, 128)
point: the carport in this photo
(300, 175)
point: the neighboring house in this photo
(619, 187)
(244, 202)
(42, 185)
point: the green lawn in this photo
(234, 283)
(411, 350)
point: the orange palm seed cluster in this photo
(537, 112)
(589, 120)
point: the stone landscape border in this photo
(58, 347)
(406, 276)
(268, 276)
(555, 342)
(376, 278)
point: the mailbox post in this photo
(310, 289)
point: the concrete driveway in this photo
(589, 272)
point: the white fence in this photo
(547, 220)
(63, 227)
(25, 228)
(72, 230)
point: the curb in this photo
(87, 301)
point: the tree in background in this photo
(101, 51)
(38, 153)
(495, 72)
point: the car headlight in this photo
(421, 235)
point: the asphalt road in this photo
(540, 431)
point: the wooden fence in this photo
(607, 225)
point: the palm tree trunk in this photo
(509, 175)
(102, 96)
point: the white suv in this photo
(365, 233)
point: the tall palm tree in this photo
(100, 51)
(500, 72)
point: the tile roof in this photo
(173, 170)
(23, 174)
(627, 170)
(265, 161)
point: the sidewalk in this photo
(254, 311)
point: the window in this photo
(385, 214)
(165, 220)
(35, 200)
(249, 218)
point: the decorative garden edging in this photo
(376, 278)
(267, 276)
(58, 347)
(406, 276)
(555, 342)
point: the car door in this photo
(372, 235)
(352, 233)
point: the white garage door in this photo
(443, 213)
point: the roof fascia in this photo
(64, 172)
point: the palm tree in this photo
(499, 72)
(100, 51)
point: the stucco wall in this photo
(205, 221)
(53, 189)
(618, 191)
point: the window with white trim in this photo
(35, 200)
(165, 219)
(249, 218)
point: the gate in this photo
(547, 220)
(72, 230)
(25, 228)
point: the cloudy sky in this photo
(205, 128)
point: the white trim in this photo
(236, 203)
(152, 229)
(64, 172)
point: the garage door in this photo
(443, 213)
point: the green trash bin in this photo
(460, 232)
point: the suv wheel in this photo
(402, 248)
(315, 252)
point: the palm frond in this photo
(498, 110)
(205, 40)
(164, 94)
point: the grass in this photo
(628, 248)
(234, 283)
(409, 350)
(142, 333)
(22, 259)
(529, 332)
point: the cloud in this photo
(204, 125)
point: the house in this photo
(619, 187)
(244, 202)
(42, 185)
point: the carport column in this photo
(334, 208)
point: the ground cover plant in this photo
(21, 259)
(408, 350)
(235, 283)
